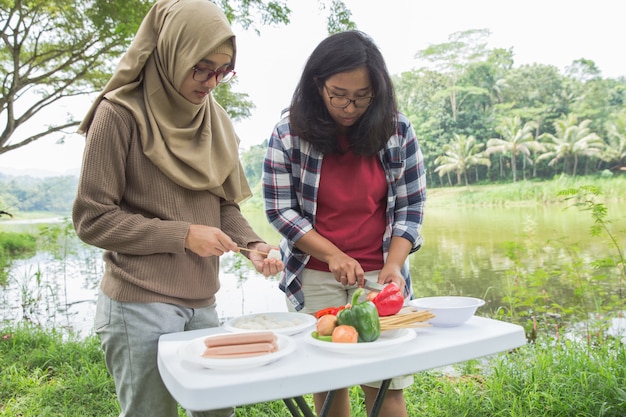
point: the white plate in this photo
(192, 352)
(387, 340)
(278, 322)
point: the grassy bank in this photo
(524, 192)
(47, 374)
(519, 193)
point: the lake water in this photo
(62, 293)
(476, 252)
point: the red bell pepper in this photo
(389, 301)
(329, 310)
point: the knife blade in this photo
(373, 285)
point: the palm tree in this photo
(516, 140)
(571, 141)
(615, 151)
(460, 154)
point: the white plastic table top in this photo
(312, 369)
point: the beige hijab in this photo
(194, 145)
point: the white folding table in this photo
(311, 369)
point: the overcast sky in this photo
(554, 32)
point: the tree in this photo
(516, 140)
(615, 151)
(459, 155)
(572, 140)
(451, 57)
(416, 92)
(534, 92)
(53, 50)
(252, 161)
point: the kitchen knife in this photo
(373, 285)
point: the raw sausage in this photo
(239, 339)
(240, 345)
(247, 349)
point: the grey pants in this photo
(129, 333)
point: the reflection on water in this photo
(57, 293)
(477, 251)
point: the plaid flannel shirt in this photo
(291, 177)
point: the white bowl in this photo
(449, 311)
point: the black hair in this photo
(308, 115)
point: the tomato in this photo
(345, 334)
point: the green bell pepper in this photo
(362, 316)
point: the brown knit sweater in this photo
(127, 207)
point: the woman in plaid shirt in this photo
(344, 184)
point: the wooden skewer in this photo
(388, 326)
(252, 250)
(410, 319)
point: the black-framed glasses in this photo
(222, 76)
(341, 102)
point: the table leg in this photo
(297, 404)
(327, 403)
(298, 407)
(380, 396)
(304, 407)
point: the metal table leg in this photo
(327, 403)
(297, 405)
(380, 396)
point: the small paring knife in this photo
(373, 285)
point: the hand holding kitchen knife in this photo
(345, 269)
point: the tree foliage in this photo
(550, 122)
(462, 153)
(53, 50)
(571, 141)
(50, 194)
(516, 140)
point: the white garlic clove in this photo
(274, 254)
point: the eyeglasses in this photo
(341, 102)
(222, 76)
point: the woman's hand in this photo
(346, 269)
(262, 264)
(208, 241)
(398, 252)
(391, 273)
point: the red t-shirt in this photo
(351, 206)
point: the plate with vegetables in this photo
(355, 328)
(278, 322)
(387, 340)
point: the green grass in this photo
(523, 192)
(14, 246)
(47, 374)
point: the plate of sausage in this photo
(237, 350)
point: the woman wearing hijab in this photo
(159, 191)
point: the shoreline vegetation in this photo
(523, 193)
(520, 193)
(576, 369)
